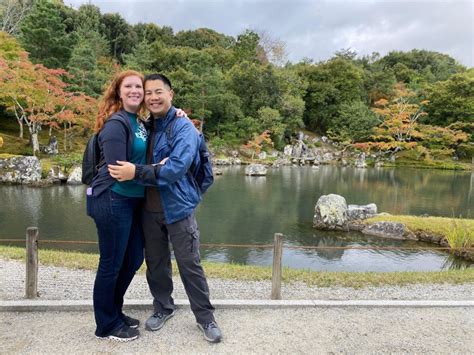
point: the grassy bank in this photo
(458, 232)
(256, 273)
(429, 164)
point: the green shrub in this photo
(67, 161)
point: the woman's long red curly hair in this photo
(111, 102)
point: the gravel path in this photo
(56, 283)
(260, 331)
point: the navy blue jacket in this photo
(116, 143)
(178, 190)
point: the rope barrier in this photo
(262, 246)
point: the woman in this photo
(116, 206)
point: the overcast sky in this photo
(316, 29)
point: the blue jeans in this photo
(119, 228)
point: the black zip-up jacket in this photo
(116, 143)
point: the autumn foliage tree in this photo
(74, 114)
(36, 94)
(401, 130)
(259, 142)
(400, 116)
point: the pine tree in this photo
(43, 35)
(83, 67)
(141, 58)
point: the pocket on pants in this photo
(194, 233)
(186, 244)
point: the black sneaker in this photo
(157, 320)
(123, 334)
(211, 332)
(131, 322)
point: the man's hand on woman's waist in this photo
(125, 171)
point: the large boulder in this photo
(358, 212)
(288, 150)
(256, 170)
(327, 158)
(20, 170)
(391, 230)
(224, 161)
(360, 162)
(52, 147)
(75, 176)
(330, 213)
(56, 175)
(297, 150)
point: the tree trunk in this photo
(20, 122)
(71, 136)
(65, 137)
(35, 142)
(21, 129)
(34, 128)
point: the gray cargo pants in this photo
(184, 237)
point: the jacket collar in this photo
(162, 123)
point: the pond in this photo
(249, 210)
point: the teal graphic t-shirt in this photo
(131, 188)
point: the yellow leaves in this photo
(260, 141)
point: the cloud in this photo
(316, 29)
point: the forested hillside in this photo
(55, 61)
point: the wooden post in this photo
(31, 262)
(276, 269)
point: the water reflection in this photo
(241, 209)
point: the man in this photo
(169, 214)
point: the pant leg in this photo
(158, 262)
(112, 215)
(184, 236)
(133, 258)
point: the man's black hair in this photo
(160, 77)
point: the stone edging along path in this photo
(86, 305)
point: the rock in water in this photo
(391, 230)
(357, 212)
(330, 213)
(256, 170)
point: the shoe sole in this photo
(147, 327)
(205, 337)
(114, 338)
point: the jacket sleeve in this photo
(183, 149)
(113, 141)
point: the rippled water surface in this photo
(249, 210)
